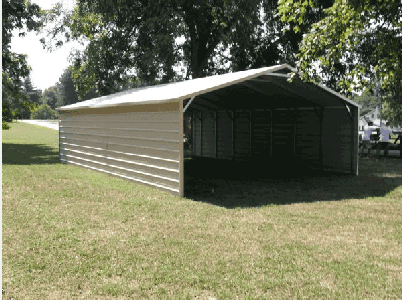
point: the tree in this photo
(367, 100)
(66, 89)
(392, 110)
(354, 45)
(148, 41)
(51, 97)
(32, 92)
(141, 36)
(44, 112)
(24, 16)
(32, 96)
(270, 43)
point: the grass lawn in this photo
(72, 233)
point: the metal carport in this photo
(254, 115)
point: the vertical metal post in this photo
(192, 134)
(233, 134)
(294, 131)
(272, 133)
(181, 149)
(355, 136)
(216, 134)
(201, 133)
(320, 153)
(59, 137)
(251, 134)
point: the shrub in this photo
(44, 112)
(5, 126)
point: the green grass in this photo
(72, 233)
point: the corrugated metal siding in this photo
(261, 135)
(308, 137)
(141, 143)
(242, 135)
(355, 146)
(283, 127)
(299, 137)
(225, 136)
(197, 133)
(338, 140)
(208, 134)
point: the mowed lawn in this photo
(73, 233)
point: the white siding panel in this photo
(140, 143)
(126, 133)
(146, 158)
(124, 125)
(125, 163)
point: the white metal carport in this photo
(248, 115)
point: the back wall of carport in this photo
(261, 120)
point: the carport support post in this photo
(321, 150)
(272, 133)
(355, 137)
(233, 134)
(181, 150)
(251, 134)
(59, 137)
(320, 115)
(192, 134)
(201, 114)
(294, 132)
(216, 134)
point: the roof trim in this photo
(178, 91)
(339, 95)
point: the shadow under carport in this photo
(234, 184)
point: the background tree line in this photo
(41, 104)
(347, 45)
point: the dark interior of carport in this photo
(267, 127)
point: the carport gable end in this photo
(254, 115)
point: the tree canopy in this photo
(23, 16)
(356, 44)
(167, 40)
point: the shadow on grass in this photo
(232, 186)
(29, 154)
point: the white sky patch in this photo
(47, 67)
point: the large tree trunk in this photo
(203, 40)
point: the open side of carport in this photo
(255, 116)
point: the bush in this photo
(44, 112)
(5, 126)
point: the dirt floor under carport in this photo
(239, 184)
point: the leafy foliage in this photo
(162, 41)
(44, 112)
(354, 45)
(392, 110)
(23, 16)
(367, 100)
(51, 97)
(66, 89)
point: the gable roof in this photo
(181, 90)
(370, 111)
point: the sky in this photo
(47, 67)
